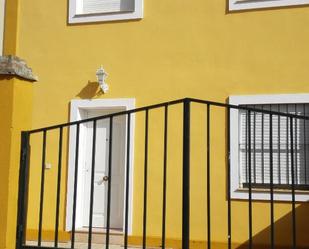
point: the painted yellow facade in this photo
(180, 48)
(15, 107)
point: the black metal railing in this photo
(212, 110)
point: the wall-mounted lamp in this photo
(101, 76)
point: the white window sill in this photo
(258, 4)
(105, 17)
(263, 194)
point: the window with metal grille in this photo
(256, 129)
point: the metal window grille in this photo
(258, 126)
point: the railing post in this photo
(186, 176)
(23, 190)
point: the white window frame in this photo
(257, 4)
(236, 191)
(74, 17)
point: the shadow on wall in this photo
(283, 231)
(91, 90)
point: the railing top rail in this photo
(168, 103)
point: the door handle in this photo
(104, 179)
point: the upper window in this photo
(257, 4)
(254, 151)
(104, 10)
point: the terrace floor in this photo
(98, 240)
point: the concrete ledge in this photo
(13, 65)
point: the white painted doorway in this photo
(83, 109)
(101, 174)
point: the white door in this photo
(101, 175)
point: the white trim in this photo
(257, 4)
(74, 17)
(77, 109)
(236, 191)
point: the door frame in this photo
(78, 108)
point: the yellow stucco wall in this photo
(15, 108)
(6, 111)
(2, 10)
(10, 38)
(22, 109)
(180, 48)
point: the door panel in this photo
(101, 171)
